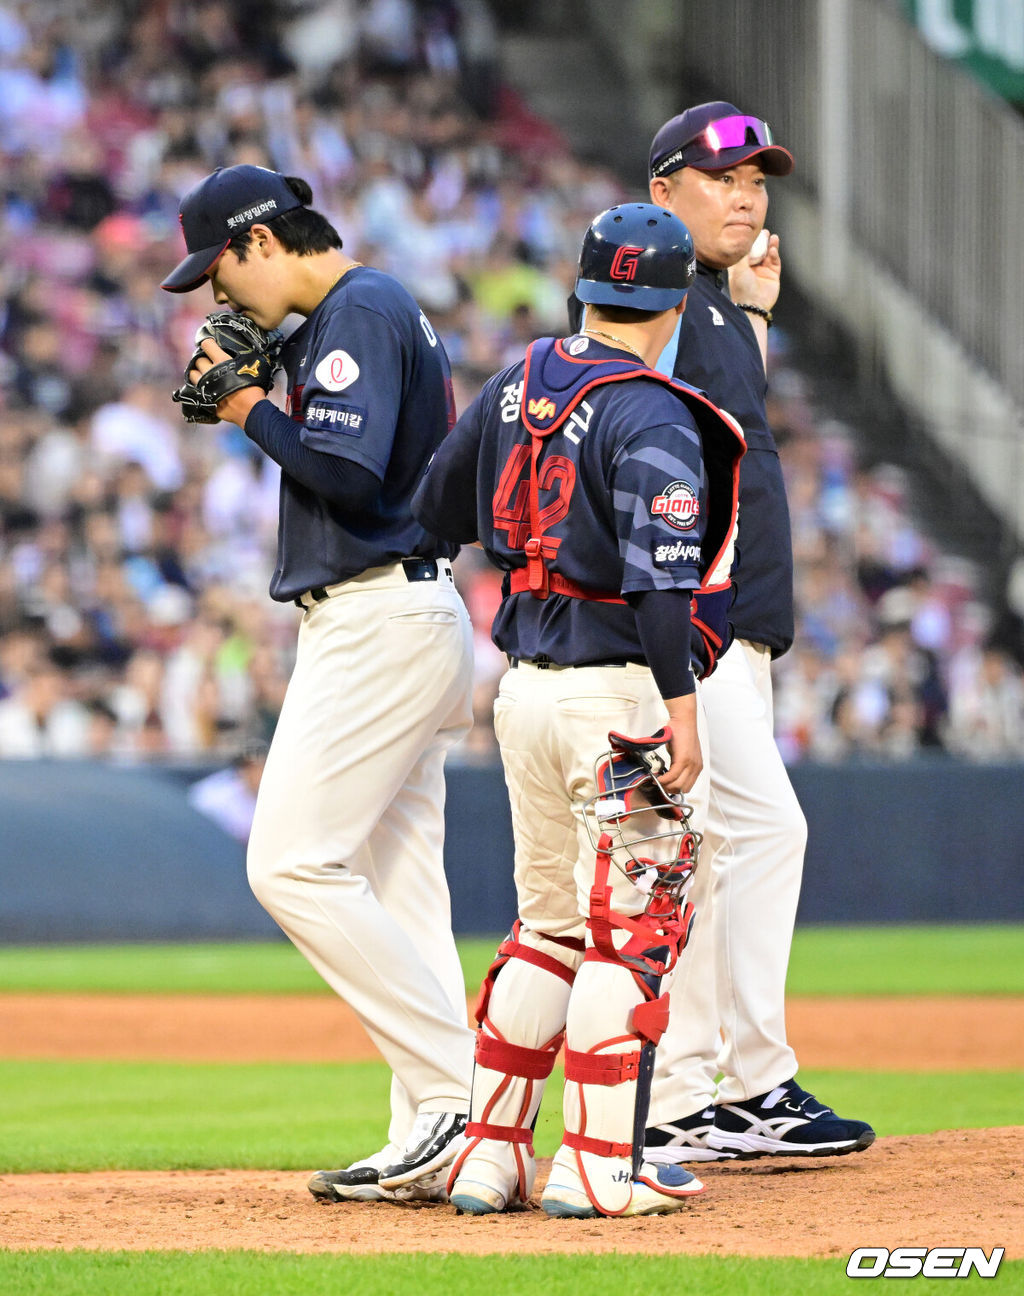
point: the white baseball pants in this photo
(728, 995)
(346, 846)
(551, 726)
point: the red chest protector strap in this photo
(521, 580)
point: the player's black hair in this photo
(301, 230)
(621, 315)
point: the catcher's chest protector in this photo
(554, 384)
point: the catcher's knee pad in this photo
(521, 1018)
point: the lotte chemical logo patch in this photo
(678, 505)
(336, 371)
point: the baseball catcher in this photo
(252, 358)
(606, 493)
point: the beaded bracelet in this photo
(766, 315)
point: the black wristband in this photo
(766, 315)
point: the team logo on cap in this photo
(678, 505)
(336, 371)
(624, 262)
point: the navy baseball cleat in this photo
(786, 1121)
(684, 1140)
(435, 1140)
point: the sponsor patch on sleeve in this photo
(678, 551)
(336, 371)
(331, 416)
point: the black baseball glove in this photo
(252, 360)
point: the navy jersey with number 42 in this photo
(626, 499)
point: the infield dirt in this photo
(956, 1188)
(894, 1033)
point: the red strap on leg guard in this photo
(512, 948)
(515, 1059)
(502, 1133)
(601, 1068)
(599, 1147)
(650, 1019)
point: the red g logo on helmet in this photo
(624, 262)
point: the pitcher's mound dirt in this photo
(956, 1188)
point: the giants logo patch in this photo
(624, 263)
(678, 505)
(336, 371)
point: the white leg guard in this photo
(615, 1019)
(521, 1014)
(602, 1070)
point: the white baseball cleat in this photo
(658, 1190)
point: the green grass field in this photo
(982, 959)
(247, 1273)
(118, 1115)
(153, 1115)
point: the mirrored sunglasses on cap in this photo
(733, 132)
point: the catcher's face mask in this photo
(645, 830)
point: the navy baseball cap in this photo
(228, 202)
(713, 136)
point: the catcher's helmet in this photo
(638, 257)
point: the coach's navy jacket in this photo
(718, 353)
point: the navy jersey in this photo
(622, 498)
(369, 382)
(718, 352)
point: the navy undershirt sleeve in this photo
(663, 624)
(340, 481)
(445, 502)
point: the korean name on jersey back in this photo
(331, 416)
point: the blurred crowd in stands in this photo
(135, 550)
